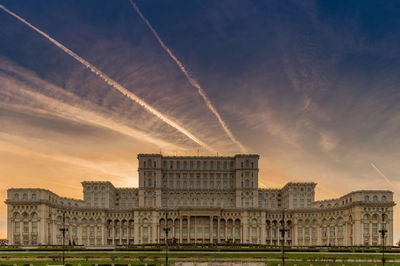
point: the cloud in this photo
(19, 95)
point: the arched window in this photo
(34, 215)
(366, 198)
(149, 163)
(383, 198)
(247, 164)
(375, 198)
(366, 217)
(16, 196)
(25, 196)
(33, 196)
(247, 183)
(149, 183)
(17, 215)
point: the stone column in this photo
(136, 227)
(54, 232)
(180, 229)
(357, 231)
(103, 234)
(370, 234)
(226, 230)
(211, 229)
(120, 232)
(218, 229)
(319, 235)
(11, 229)
(263, 227)
(188, 229)
(173, 229)
(30, 232)
(113, 234)
(154, 228)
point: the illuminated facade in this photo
(208, 200)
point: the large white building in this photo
(201, 200)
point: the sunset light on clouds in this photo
(311, 86)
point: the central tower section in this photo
(198, 181)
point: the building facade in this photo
(201, 200)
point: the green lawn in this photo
(158, 263)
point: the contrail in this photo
(380, 172)
(191, 80)
(113, 83)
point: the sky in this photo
(310, 86)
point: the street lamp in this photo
(283, 230)
(166, 230)
(63, 230)
(383, 232)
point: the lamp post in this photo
(383, 232)
(283, 230)
(166, 230)
(63, 230)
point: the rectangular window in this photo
(26, 227)
(366, 229)
(374, 228)
(17, 229)
(204, 165)
(34, 227)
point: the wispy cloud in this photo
(114, 84)
(34, 102)
(191, 80)
(384, 176)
